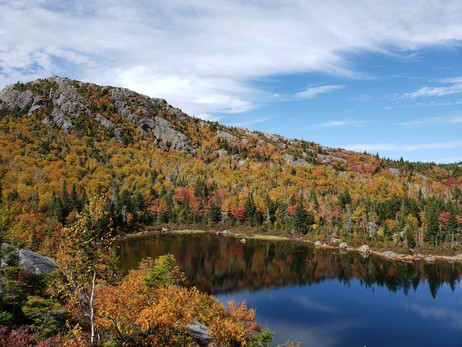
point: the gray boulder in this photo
(200, 332)
(364, 249)
(343, 245)
(389, 254)
(32, 262)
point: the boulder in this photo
(389, 254)
(364, 249)
(221, 152)
(200, 332)
(32, 262)
(318, 244)
(343, 245)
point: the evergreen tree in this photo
(303, 219)
(345, 198)
(432, 229)
(250, 209)
(215, 213)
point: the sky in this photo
(382, 76)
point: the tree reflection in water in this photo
(221, 265)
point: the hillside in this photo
(62, 140)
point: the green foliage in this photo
(303, 219)
(6, 318)
(262, 339)
(163, 273)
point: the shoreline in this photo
(338, 244)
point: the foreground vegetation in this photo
(85, 303)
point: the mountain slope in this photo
(62, 140)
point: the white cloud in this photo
(249, 123)
(433, 121)
(336, 124)
(201, 55)
(404, 148)
(313, 92)
(436, 91)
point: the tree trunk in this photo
(92, 309)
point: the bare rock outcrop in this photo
(164, 131)
(226, 136)
(11, 98)
(68, 104)
(32, 262)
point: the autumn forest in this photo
(81, 164)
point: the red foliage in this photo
(21, 337)
(238, 212)
(444, 218)
(291, 210)
(183, 196)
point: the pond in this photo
(319, 297)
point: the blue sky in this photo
(378, 76)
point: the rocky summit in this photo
(65, 103)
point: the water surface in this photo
(319, 297)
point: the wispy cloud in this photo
(457, 79)
(337, 124)
(248, 123)
(393, 147)
(433, 121)
(454, 87)
(313, 92)
(435, 91)
(184, 50)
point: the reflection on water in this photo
(224, 265)
(320, 297)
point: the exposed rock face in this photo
(32, 262)
(226, 136)
(11, 98)
(330, 158)
(164, 131)
(37, 105)
(290, 159)
(67, 104)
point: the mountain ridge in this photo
(162, 166)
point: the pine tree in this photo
(250, 209)
(215, 213)
(303, 219)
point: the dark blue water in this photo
(318, 297)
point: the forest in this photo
(66, 146)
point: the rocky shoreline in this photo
(364, 250)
